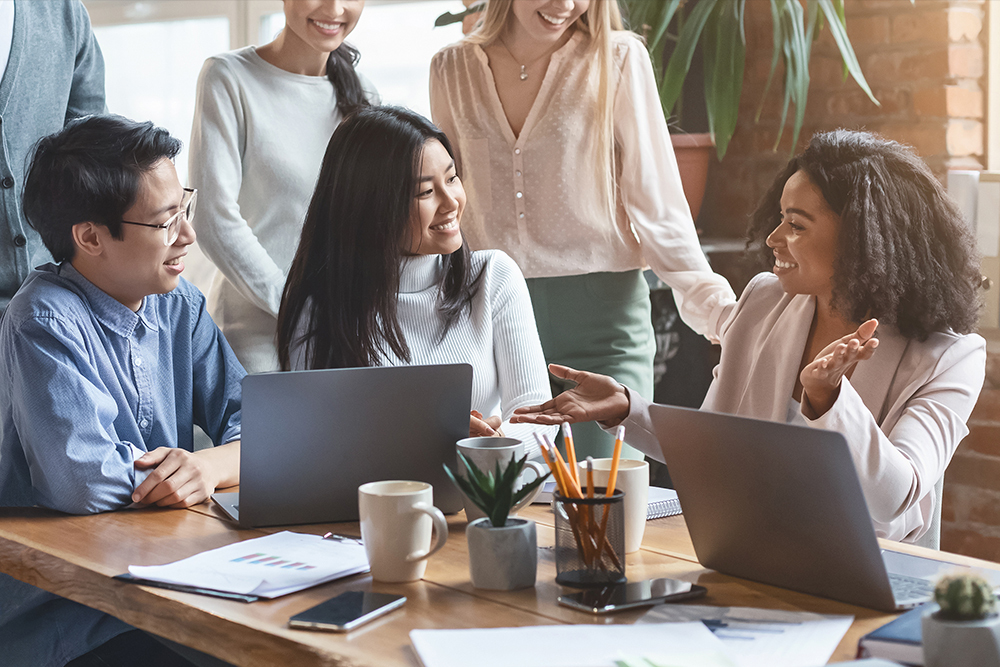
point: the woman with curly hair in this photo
(864, 250)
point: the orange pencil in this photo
(570, 451)
(613, 475)
(590, 476)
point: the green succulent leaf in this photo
(492, 492)
(834, 11)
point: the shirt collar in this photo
(420, 272)
(108, 310)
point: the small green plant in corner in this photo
(965, 597)
(493, 492)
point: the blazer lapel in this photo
(771, 381)
(873, 379)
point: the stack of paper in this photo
(265, 567)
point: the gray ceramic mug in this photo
(484, 452)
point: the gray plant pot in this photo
(961, 643)
(502, 559)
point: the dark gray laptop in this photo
(311, 438)
(782, 505)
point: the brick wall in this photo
(926, 64)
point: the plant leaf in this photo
(528, 488)
(725, 56)
(838, 28)
(680, 60)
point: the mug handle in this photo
(440, 531)
(539, 473)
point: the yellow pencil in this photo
(613, 475)
(570, 451)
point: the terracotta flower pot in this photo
(693, 151)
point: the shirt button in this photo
(517, 151)
(517, 173)
(144, 423)
(7, 182)
(138, 361)
(519, 195)
(20, 241)
(520, 215)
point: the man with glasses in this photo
(107, 360)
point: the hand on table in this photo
(594, 398)
(181, 478)
(821, 378)
(480, 426)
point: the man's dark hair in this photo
(905, 255)
(90, 171)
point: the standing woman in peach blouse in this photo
(559, 135)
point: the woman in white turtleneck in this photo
(382, 275)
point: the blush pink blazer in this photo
(903, 412)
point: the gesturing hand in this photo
(821, 378)
(594, 398)
(480, 426)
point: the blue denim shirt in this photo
(86, 387)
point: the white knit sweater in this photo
(497, 336)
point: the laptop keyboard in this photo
(910, 589)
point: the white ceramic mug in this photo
(633, 479)
(484, 452)
(396, 522)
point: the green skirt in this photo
(598, 322)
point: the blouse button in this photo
(517, 173)
(520, 215)
(519, 195)
(138, 361)
(517, 151)
(144, 423)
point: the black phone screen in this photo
(346, 611)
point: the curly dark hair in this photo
(906, 256)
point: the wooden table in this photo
(75, 556)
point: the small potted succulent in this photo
(966, 628)
(503, 552)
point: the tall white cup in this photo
(633, 479)
(485, 452)
(396, 522)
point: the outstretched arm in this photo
(822, 377)
(594, 398)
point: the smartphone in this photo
(346, 611)
(628, 596)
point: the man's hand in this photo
(594, 398)
(821, 378)
(181, 478)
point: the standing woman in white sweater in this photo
(562, 143)
(383, 276)
(263, 117)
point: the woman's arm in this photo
(517, 350)
(218, 141)
(899, 468)
(651, 192)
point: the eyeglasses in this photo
(172, 227)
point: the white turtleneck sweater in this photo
(497, 336)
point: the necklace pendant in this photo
(524, 73)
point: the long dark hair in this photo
(905, 254)
(341, 73)
(340, 298)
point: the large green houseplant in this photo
(717, 27)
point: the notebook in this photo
(898, 640)
(662, 502)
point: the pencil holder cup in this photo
(590, 539)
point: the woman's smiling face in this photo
(438, 204)
(806, 239)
